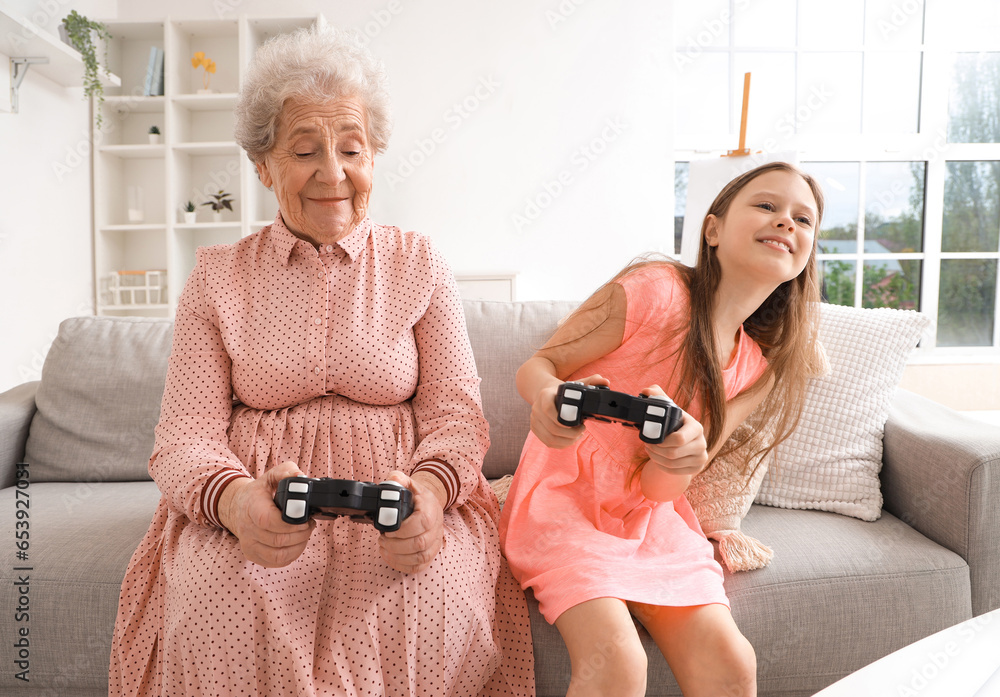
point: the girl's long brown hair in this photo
(785, 327)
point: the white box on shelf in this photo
(134, 288)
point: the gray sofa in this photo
(839, 593)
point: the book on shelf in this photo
(147, 85)
(153, 85)
(158, 74)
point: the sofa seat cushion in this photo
(82, 536)
(839, 594)
(99, 400)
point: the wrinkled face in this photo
(767, 235)
(320, 168)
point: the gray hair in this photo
(317, 64)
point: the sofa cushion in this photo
(99, 400)
(82, 537)
(832, 460)
(840, 594)
(503, 336)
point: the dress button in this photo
(320, 274)
(318, 370)
(317, 321)
(329, 248)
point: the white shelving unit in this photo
(196, 157)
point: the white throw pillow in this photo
(832, 460)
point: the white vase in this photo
(154, 138)
(217, 216)
(190, 216)
(134, 204)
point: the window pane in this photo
(894, 207)
(772, 98)
(838, 281)
(892, 93)
(967, 302)
(768, 23)
(828, 98)
(702, 104)
(957, 23)
(838, 233)
(680, 201)
(971, 208)
(974, 99)
(831, 24)
(892, 283)
(894, 23)
(701, 24)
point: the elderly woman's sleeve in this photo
(191, 461)
(452, 431)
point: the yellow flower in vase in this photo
(200, 61)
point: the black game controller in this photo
(385, 505)
(655, 417)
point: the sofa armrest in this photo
(941, 476)
(17, 407)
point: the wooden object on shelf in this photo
(743, 149)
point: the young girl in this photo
(596, 522)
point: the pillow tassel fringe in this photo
(740, 552)
(501, 487)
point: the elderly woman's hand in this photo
(413, 547)
(247, 510)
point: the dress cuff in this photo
(212, 493)
(447, 475)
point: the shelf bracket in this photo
(18, 69)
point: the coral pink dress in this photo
(351, 360)
(573, 527)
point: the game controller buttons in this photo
(652, 430)
(295, 508)
(569, 412)
(388, 517)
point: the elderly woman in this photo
(324, 345)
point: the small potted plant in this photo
(189, 213)
(154, 135)
(219, 201)
(80, 31)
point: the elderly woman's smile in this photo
(320, 168)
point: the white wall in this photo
(531, 137)
(45, 229)
(493, 103)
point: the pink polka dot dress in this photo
(575, 524)
(351, 360)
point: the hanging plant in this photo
(81, 33)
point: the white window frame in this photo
(930, 144)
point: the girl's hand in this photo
(545, 419)
(685, 451)
(413, 547)
(247, 510)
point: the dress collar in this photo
(352, 244)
